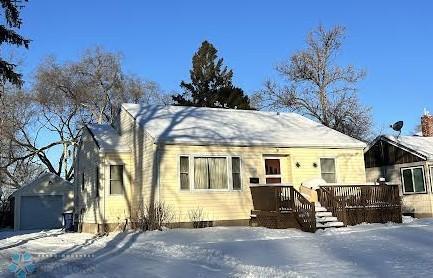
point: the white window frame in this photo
(189, 172)
(280, 176)
(335, 164)
(413, 181)
(231, 172)
(109, 179)
(430, 168)
(192, 172)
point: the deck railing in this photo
(333, 204)
(354, 204)
(284, 199)
(304, 211)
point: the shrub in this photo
(153, 217)
(197, 216)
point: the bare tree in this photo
(318, 87)
(16, 165)
(66, 96)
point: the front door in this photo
(273, 170)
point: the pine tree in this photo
(12, 20)
(211, 83)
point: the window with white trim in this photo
(116, 179)
(210, 173)
(431, 177)
(236, 173)
(327, 170)
(184, 172)
(413, 180)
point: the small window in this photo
(327, 167)
(116, 179)
(97, 182)
(82, 181)
(272, 170)
(236, 173)
(413, 180)
(184, 172)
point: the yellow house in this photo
(193, 158)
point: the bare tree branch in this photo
(320, 88)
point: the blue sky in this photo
(392, 40)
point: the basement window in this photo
(413, 180)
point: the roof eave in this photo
(271, 145)
(397, 144)
(114, 150)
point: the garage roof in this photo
(42, 178)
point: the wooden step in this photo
(320, 209)
(329, 225)
(323, 213)
(326, 219)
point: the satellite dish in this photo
(397, 126)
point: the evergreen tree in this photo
(12, 21)
(211, 83)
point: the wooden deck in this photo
(282, 206)
(355, 204)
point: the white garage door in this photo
(41, 212)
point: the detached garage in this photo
(41, 203)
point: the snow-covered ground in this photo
(370, 250)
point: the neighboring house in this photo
(41, 203)
(407, 161)
(206, 158)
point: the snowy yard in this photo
(373, 250)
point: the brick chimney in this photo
(427, 125)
